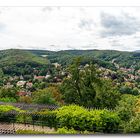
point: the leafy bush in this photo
(133, 126)
(8, 108)
(65, 130)
(8, 99)
(8, 93)
(125, 108)
(129, 90)
(25, 99)
(108, 96)
(24, 118)
(5, 115)
(62, 131)
(47, 117)
(43, 97)
(29, 132)
(110, 121)
(54, 90)
(81, 119)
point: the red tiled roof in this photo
(39, 77)
(22, 93)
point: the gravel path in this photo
(16, 126)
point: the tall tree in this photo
(86, 87)
(82, 84)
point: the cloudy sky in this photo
(60, 28)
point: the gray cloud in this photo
(70, 47)
(116, 43)
(119, 26)
(86, 24)
(70, 28)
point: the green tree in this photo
(9, 92)
(80, 87)
(108, 96)
(129, 90)
(86, 87)
(125, 108)
(43, 96)
(1, 73)
(133, 126)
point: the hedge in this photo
(81, 119)
(6, 113)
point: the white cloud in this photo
(59, 28)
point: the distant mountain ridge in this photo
(64, 57)
(14, 56)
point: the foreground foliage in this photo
(5, 111)
(82, 119)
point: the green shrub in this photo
(125, 108)
(8, 93)
(43, 97)
(8, 99)
(7, 108)
(47, 117)
(6, 115)
(81, 119)
(86, 132)
(62, 131)
(65, 130)
(133, 126)
(110, 121)
(24, 118)
(29, 132)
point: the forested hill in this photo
(122, 58)
(18, 62)
(15, 56)
(104, 57)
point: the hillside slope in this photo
(123, 58)
(20, 62)
(34, 57)
(15, 56)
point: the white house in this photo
(21, 83)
